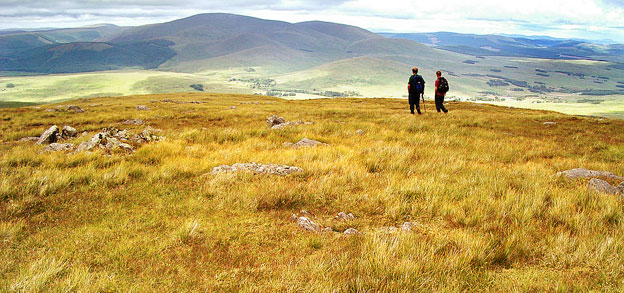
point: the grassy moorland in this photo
(478, 182)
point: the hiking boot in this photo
(445, 111)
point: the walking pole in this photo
(423, 98)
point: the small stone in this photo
(75, 109)
(142, 107)
(29, 139)
(232, 108)
(328, 230)
(68, 132)
(49, 136)
(550, 123)
(601, 186)
(359, 132)
(407, 226)
(134, 122)
(307, 224)
(56, 147)
(52, 110)
(305, 142)
(620, 188)
(273, 169)
(305, 213)
(294, 217)
(389, 229)
(352, 231)
(342, 216)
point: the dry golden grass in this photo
(478, 182)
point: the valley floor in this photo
(478, 183)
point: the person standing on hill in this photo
(415, 88)
(441, 87)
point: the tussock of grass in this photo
(478, 182)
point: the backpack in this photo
(419, 87)
(443, 87)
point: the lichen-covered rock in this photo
(307, 224)
(142, 108)
(147, 135)
(585, 173)
(49, 136)
(602, 186)
(68, 132)
(620, 188)
(56, 147)
(305, 142)
(274, 120)
(359, 132)
(29, 139)
(273, 169)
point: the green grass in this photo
(478, 182)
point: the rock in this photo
(549, 123)
(342, 216)
(142, 107)
(352, 231)
(134, 122)
(49, 136)
(274, 120)
(620, 188)
(407, 226)
(56, 147)
(389, 229)
(68, 132)
(294, 217)
(29, 139)
(274, 169)
(328, 230)
(147, 135)
(232, 108)
(291, 123)
(359, 132)
(52, 110)
(585, 173)
(601, 186)
(75, 109)
(307, 224)
(305, 142)
(305, 213)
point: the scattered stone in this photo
(307, 224)
(389, 229)
(49, 136)
(294, 217)
(56, 147)
(620, 188)
(305, 142)
(601, 186)
(328, 230)
(52, 110)
(342, 216)
(75, 109)
(274, 169)
(291, 123)
(352, 231)
(305, 213)
(232, 108)
(585, 173)
(142, 108)
(68, 132)
(407, 226)
(178, 102)
(549, 123)
(111, 139)
(359, 132)
(134, 122)
(274, 120)
(147, 135)
(29, 139)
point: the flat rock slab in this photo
(307, 224)
(304, 143)
(352, 231)
(342, 216)
(29, 139)
(134, 122)
(58, 147)
(257, 168)
(49, 136)
(585, 173)
(142, 108)
(601, 186)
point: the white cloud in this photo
(570, 18)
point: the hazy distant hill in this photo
(496, 45)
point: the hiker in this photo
(415, 88)
(441, 87)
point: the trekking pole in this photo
(423, 99)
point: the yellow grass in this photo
(478, 182)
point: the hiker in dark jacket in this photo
(441, 87)
(415, 88)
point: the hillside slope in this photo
(476, 184)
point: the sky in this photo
(586, 19)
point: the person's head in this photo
(439, 73)
(415, 70)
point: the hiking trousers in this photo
(439, 101)
(414, 100)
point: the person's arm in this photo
(409, 82)
(437, 84)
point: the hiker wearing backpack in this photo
(415, 88)
(441, 87)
